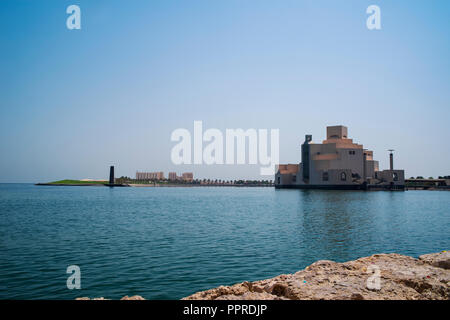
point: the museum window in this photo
(325, 176)
(343, 176)
(395, 176)
(294, 178)
(279, 180)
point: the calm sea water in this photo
(167, 243)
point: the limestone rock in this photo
(132, 298)
(380, 276)
(124, 298)
(398, 276)
(440, 259)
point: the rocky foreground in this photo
(381, 276)
(400, 277)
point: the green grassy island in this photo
(69, 182)
(128, 182)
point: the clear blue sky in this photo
(73, 102)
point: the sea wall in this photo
(380, 276)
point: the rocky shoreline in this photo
(400, 277)
(378, 277)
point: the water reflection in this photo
(333, 223)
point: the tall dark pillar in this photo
(364, 165)
(111, 175)
(391, 160)
(305, 158)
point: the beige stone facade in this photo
(336, 163)
(187, 176)
(173, 176)
(149, 175)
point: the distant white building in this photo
(337, 163)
